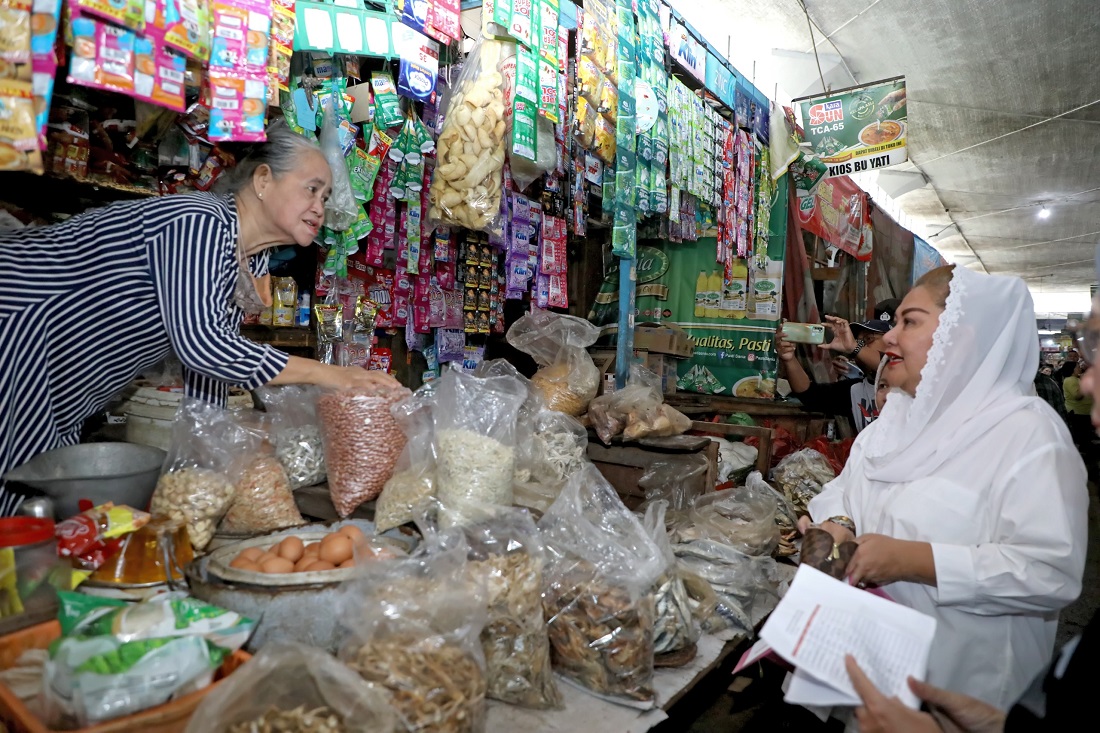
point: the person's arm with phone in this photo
(830, 399)
(845, 342)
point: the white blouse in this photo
(1007, 521)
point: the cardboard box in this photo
(655, 338)
(663, 365)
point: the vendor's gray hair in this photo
(280, 153)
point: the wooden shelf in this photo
(284, 337)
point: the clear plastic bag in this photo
(551, 448)
(288, 686)
(746, 586)
(262, 500)
(411, 629)
(341, 209)
(362, 443)
(467, 183)
(506, 555)
(676, 482)
(567, 377)
(196, 485)
(801, 476)
(601, 567)
(637, 411)
(413, 480)
(743, 518)
(475, 437)
(295, 432)
(674, 625)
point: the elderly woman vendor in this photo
(88, 304)
(966, 497)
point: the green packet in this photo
(387, 105)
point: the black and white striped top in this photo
(87, 304)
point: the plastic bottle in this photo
(701, 285)
(739, 275)
(714, 295)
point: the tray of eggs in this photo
(303, 558)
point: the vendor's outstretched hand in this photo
(844, 341)
(954, 713)
(358, 378)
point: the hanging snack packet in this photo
(19, 133)
(387, 105)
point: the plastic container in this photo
(150, 410)
(28, 555)
(171, 717)
(148, 555)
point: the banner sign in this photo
(837, 212)
(721, 81)
(858, 129)
(731, 325)
(687, 51)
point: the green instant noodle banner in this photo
(732, 325)
(858, 129)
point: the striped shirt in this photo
(86, 305)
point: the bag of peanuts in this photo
(362, 443)
(466, 185)
(413, 481)
(475, 440)
(295, 432)
(195, 485)
(262, 499)
(567, 377)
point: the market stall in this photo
(525, 529)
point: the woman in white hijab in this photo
(967, 498)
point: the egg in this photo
(313, 549)
(277, 565)
(353, 533)
(348, 563)
(292, 548)
(336, 548)
(304, 563)
(252, 554)
(319, 566)
(243, 563)
(269, 555)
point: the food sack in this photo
(467, 182)
(505, 553)
(362, 442)
(742, 517)
(293, 687)
(296, 433)
(675, 627)
(601, 567)
(413, 481)
(567, 377)
(801, 476)
(195, 485)
(637, 411)
(551, 447)
(411, 629)
(116, 659)
(475, 437)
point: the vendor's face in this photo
(908, 343)
(294, 203)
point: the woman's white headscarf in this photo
(980, 370)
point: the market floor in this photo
(759, 708)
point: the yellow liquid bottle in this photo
(701, 295)
(714, 295)
(739, 276)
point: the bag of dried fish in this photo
(742, 517)
(296, 433)
(550, 449)
(567, 377)
(293, 688)
(601, 567)
(475, 437)
(413, 480)
(786, 516)
(747, 587)
(802, 475)
(506, 553)
(412, 630)
(674, 625)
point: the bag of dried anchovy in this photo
(675, 627)
(597, 593)
(296, 433)
(289, 686)
(411, 628)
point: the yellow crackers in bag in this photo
(18, 128)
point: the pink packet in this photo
(558, 295)
(542, 291)
(400, 310)
(422, 311)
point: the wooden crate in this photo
(171, 717)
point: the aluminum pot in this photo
(124, 473)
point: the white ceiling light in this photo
(1044, 213)
(1064, 302)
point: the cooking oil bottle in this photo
(714, 295)
(739, 275)
(701, 285)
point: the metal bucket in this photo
(99, 472)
